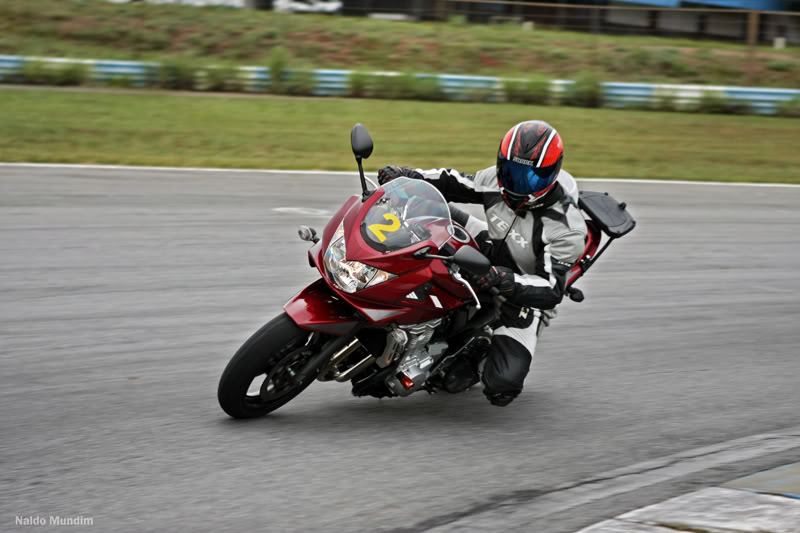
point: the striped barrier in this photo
(332, 82)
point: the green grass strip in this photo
(178, 129)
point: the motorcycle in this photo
(391, 311)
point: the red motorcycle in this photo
(391, 312)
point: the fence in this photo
(738, 25)
(328, 82)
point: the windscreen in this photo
(410, 211)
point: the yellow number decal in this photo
(378, 229)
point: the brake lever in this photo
(465, 283)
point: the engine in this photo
(416, 356)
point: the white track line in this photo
(348, 173)
(518, 515)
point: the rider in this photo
(533, 235)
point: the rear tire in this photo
(278, 341)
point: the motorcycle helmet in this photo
(528, 163)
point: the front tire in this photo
(275, 353)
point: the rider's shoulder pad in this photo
(486, 180)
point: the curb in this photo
(766, 501)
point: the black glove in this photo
(390, 172)
(500, 277)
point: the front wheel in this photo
(264, 373)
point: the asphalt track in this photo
(123, 293)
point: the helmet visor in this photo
(519, 178)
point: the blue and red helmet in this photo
(528, 163)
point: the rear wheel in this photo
(264, 374)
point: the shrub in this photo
(381, 86)
(585, 92)
(152, 75)
(37, 73)
(144, 39)
(790, 108)
(402, 87)
(46, 73)
(704, 54)
(782, 65)
(393, 87)
(7, 45)
(669, 63)
(716, 103)
(278, 61)
(358, 84)
(176, 75)
(664, 100)
(71, 74)
(639, 58)
(222, 78)
(11, 76)
(301, 83)
(532, 91)
(558, 54)
(427, 88)
(457, 20)
(479, 94)
(120, 81)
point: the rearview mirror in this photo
(472, 261)
(361, 142)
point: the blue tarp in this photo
(659, 3)
(760, 5)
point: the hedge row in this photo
(585, 92)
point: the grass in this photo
(100, 29)
(178, 129)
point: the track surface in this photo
(124, 293)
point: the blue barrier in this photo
(139, 74)
(622, 94)
(332, 82)
(764, 101)
(10, 65)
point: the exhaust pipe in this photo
(318, 361)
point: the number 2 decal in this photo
(378, 229)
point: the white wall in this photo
(724, 25)
(792, 25)
(678, 21)
(628, 18)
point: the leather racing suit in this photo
(540, 245)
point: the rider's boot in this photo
(465, 371)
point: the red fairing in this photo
(593, 237)
(316, 308)
(423, 289)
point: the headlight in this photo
(350, 276)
